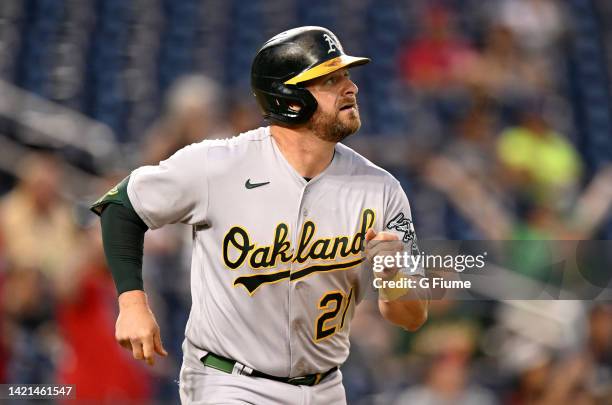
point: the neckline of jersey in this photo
(294, 174)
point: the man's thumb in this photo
(370, 234)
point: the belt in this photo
(233, 367)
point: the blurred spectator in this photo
(40, 223)
(473, 146)
(28, 329)
(242, 115)
(504, 71)
(581, 377)
(563, 382)
(531, 381)
(537, 24)
(431, 61)
(447, 380)
(532, 342)
(540, 163)
(191, 115)
(468, 174)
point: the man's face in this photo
(337, 114)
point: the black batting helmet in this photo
(290, 59)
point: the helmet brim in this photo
(327, 67)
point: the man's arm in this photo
(402, 307)
(409, 311)
(123, 239)
(174, 191)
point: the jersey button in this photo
(305, 212)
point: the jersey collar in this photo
(294, 174)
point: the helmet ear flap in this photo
(308, 106)
(279, 104)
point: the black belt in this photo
(233, 367)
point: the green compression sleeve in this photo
(123, 238)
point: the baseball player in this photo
(281, 216)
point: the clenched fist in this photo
(136, 328)
(383, 244)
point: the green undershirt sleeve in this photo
(123, 237)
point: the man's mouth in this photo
(348, 106)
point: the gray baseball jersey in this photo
(277, 266)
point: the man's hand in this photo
(409, 312)
(136, 327)
(383, 244)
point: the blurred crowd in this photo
(495, 154)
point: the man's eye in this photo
(331, 80)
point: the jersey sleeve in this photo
(116, 195)
(397, 218)
(174, 191)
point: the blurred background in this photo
(495, 116)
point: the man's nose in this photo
(351, 88)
